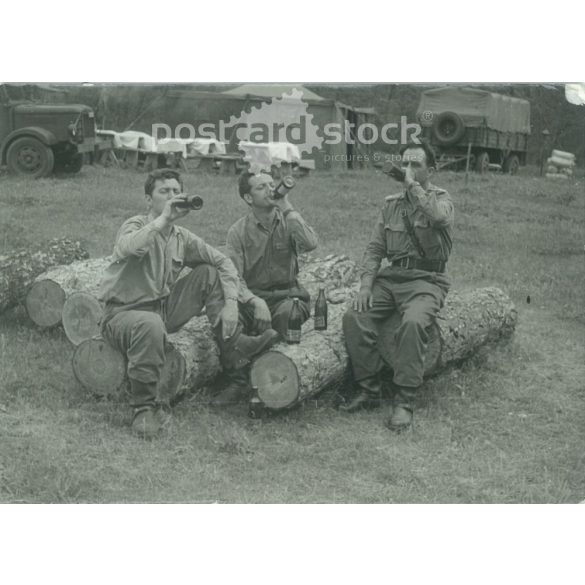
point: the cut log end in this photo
(99, 368)
(277, 379)
(81, 315)
(44, 303)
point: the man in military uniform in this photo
(264, 245)
(145, 299)
(413, 232)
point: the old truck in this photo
(37, 139)
(491, 127)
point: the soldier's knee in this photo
(205, 271)
(149, 325)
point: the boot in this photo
(237, 390)
(142, 393)
(369, 396)
(238, 351)
(401, 418)
(148, 421)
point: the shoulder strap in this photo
(410, 230)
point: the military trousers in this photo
(140, 332)
(418, 296)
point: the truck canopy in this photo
(478, 107)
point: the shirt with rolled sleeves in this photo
(146, 263)
(266, 258)
(430, 212)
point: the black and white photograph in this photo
(294, 293)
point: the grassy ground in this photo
(505, 427)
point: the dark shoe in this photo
(400, 420)
(245, 347)
(146, 423)
(233, 393)
(363, 401)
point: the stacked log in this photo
(68, 295)
(18, 269)
(192, 359)
(560, 165)
(288, 374)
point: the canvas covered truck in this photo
(492, 127)
(37, 139)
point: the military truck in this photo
(493, 127)
(37, 139)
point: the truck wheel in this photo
(30, 157)
(482, 162)
(512, 164)
(448, 128)
(69, 165)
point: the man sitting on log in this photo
(145, 299)
(264, 245)
(413, 232)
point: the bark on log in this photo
(19, 269)
(288, 374)
(68, 294)
(193, 357)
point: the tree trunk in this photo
(19, 269)
(288, 374)
(68, 294)
(193, 356)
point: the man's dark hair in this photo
(426, 147)
(161, 175)
(244, 182)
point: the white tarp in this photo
(265, 154)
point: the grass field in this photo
(505, 427)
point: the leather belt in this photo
(420, 264)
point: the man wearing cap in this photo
(413, 232)
(145, 297)
(264, 245)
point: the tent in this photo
(184, 109)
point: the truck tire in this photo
(30, 157)
(448, 128)
(482, 162)
(69, 165)
(512, 164)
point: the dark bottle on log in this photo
(320, 318)
(295, 322)
(256, 406)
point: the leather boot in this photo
(401, 418)
(369, 396)
(237, 390)
(142, 393)
(239, 351)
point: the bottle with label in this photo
(320, 318)
(295, 322)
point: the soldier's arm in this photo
(374, 253)
(301, 232)
(135, 237)
(198, 252)
(435, 204)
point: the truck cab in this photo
(491, 127)
(37, 139)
